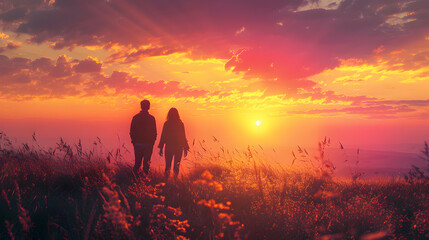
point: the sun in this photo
(258, 123)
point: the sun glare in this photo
(258, 122)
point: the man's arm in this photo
(132, 130)
(154, 134)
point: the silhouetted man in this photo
(143, 135)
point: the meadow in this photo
(69, 191)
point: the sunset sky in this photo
(354, 70)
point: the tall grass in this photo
(70, 192)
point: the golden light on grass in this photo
(258, 123)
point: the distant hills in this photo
(373, 162)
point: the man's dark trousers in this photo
(142, 151)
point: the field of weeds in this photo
(68, 192)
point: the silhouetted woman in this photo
(174, 138)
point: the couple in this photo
(143, 135)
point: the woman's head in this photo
(173, 115)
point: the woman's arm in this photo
(162, 140)
(184, 140)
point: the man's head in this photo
(145, 105)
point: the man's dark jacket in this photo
(143, 128)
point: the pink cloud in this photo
(43, 77)
(376, 108)
(305, 43)
(9, 46)
(128, 56)
(87, 65)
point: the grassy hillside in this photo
(69, 192)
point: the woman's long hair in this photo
(173, 115)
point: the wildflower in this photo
(113, 210)
(207, 175)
